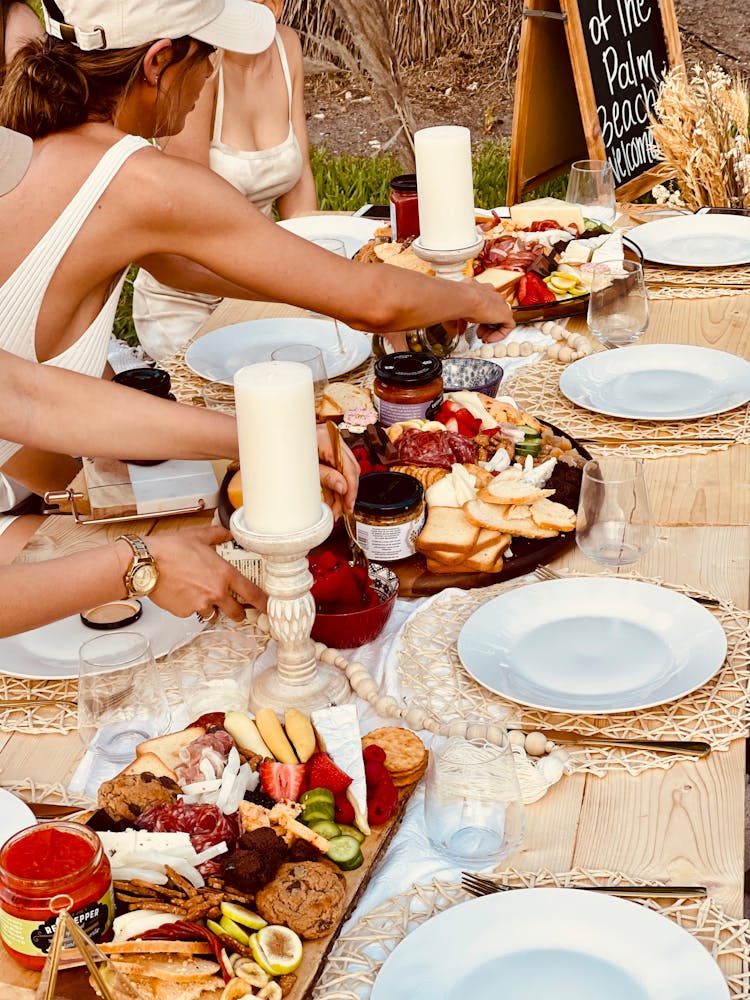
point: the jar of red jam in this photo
(406, 385)
(404, 207)
(45, 869)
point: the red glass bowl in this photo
(355, 628)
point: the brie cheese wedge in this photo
(338, 734)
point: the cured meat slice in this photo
(434, 448)
(212, 747)
(205, 824)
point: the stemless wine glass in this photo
(215, 670)
(473, 808)
(618, 303)
(121, 701)
(306, 354)
(615, 526)
(591, 186)
(333, 245)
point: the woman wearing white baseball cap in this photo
(98, 196)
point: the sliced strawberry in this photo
(533, 292)
(282, 781)
(323, 773)
(344, 810)
(468, 425)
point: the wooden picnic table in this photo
(684, 823)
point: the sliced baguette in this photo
(447, 530)
(151, 763)
(513, 492)
(552, 515)
(157, 947)
(487, 515)
(167, 748)
(178, 969)
(342, 396)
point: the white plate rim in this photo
(14, 809)
(361, 344)
(652, 230)
(554, 907)
(349, 228)
(164, 630)
(674, 351)
(612, 583)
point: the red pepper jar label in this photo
(34, 938)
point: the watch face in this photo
(144, 578)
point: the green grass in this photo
(344, 183)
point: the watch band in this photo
(141, 557)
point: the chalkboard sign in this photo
(611, 54)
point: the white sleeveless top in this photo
(22, 294)
(165, 319)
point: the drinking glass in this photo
(333, 245)
(218, 396)
(306, 354)
(121, 701)
(615, 526)
(591, 186)
(618, 303)
(215, 670)
(473, 808)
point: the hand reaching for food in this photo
(339, 491)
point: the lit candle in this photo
(446, 187)
(278, 447)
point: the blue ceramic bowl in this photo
(476, 374)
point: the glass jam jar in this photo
(406, 385)
(404, 207)
(45, 869)
(389, 514)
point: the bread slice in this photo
(342, 396)
(552, 515)
(151, 763)
(486, 515)
(447, 530)
(513, 492)
(489, 559)
(172, 968)
(156, 947)
(167, 748)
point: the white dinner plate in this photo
(561, 944)
(51, 652)
(221, 353)
(15, 815)
(592, 645)
(353, 231)
(695, 240)
(658, 382)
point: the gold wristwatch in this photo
(143, 573)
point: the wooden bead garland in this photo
(568, 346)
(536, 775)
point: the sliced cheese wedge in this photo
(338, 734)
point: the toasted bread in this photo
(447, 530)
(342, 396)
(487, 515)
(513, 492)
(167, 748)
(401, 255)
(555, 516)
(152, 763)
(172, 968)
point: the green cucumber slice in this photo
(317, 795)
(318, 812)
(345, 852)
(326, 829)
(351, 831)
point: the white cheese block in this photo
(442, 493)
(133, 842)
(338, 734)
(609, 250)
(542, 209)
(538, 475)
(577, 252)
(499, 278)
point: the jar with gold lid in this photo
(389, 513)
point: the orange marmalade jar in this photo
(45, 869)
(406, 385)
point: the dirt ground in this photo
(465, 88)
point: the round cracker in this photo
(405, 753)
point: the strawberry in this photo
(373, 753)
(323, 773)
(533, 292)
(344, 810)
(282, 781)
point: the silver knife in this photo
(690, 748)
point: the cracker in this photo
(427, 475)
(405, 753)
(556, 516)
(401, 255)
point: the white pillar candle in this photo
(446, 187)
(278, 447)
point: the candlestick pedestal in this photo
(296, 681)
(448, 263)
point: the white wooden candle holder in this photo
(296, 680)
(448, 263)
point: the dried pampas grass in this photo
(700, 124)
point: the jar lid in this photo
(407, 368)
(405, 182)
(114, 614)
(387, 492)
(154, 381)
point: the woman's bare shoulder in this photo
(292, 45)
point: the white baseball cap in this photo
(15, 157)
(237, 25)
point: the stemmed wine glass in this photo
(591, 186)
(615, 525)
(333, 245)
(312, 357)
(618, 303)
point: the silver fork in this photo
(545, 573)
(476, 885)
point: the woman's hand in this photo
(193, 578)
(492, 313)
(340, 491)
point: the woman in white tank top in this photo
(248, 127)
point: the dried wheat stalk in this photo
(700, 124)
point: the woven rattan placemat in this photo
(536, 388)
(432, 677)
(359, 953)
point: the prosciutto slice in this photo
(204, 758)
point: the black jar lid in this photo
(408, 368)
(154, 381)
(405, 182)
(387, 493)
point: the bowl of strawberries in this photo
(352, 603)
